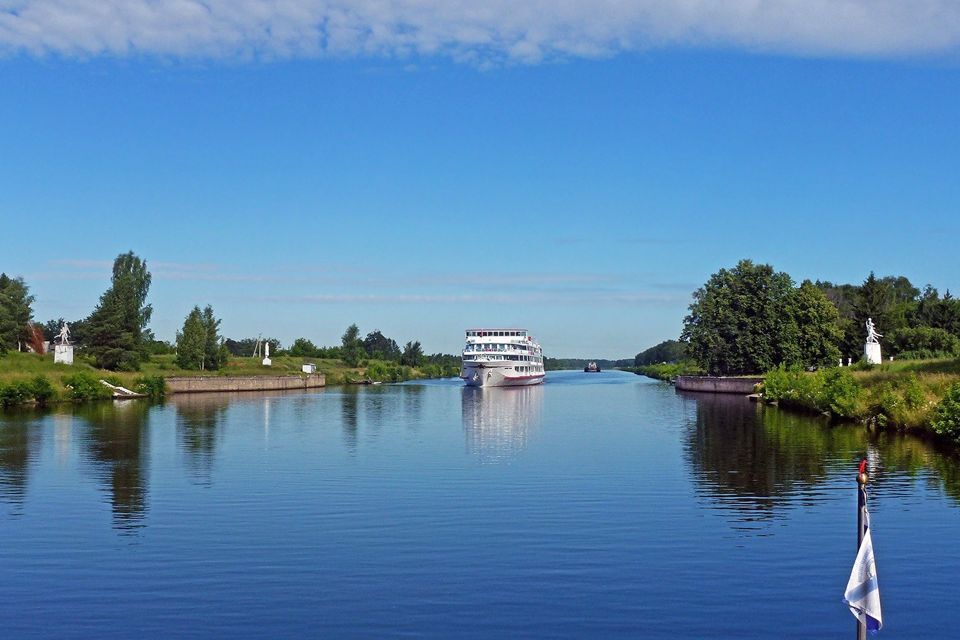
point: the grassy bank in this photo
(21, 373)
(907, 395)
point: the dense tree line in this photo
(750, 319)
(668, 351)
(354, 350)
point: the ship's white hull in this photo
(497, 376)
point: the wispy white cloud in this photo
(488, 32)
(547, 297)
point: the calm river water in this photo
(594, 506)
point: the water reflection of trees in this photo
(749, 459)
(116, 444)
(349, 417)
(199, 417)
(20, 441)
(498, 422)
(376, 406)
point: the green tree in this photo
(735, 324)
(303, 348)
(199, 345)
(352, 349)
(379, 346)
(116, 328)
(814, 324)
(191, 341)
(875, 299)
(412, 355)
(15, 312)
(214, 351)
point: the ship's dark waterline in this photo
(594, 506)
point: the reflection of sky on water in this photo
(498, 421)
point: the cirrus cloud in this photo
(482, 33)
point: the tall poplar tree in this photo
(115, 329)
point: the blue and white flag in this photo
(863, 590)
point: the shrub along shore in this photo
(913, 395)
(27, 378)
(909, 395)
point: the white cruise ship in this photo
(501, 358)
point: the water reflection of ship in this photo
(499, 421)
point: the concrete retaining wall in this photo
(707, 384)
(202, 384)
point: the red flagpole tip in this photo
(863, 466)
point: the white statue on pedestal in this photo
(63, 351)
(266, 354)
(871, 350)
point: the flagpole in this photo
(862, 479)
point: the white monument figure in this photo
(871, 349)
(63, 350)
(266, 354)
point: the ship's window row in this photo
(515, 358)
(497, 334)
(496, 347)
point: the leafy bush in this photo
(842, 394)
(946, 415)
(153, 386)
(793, 387)
(833, 390)
(83, 386)
(16, 392)
(42, 390)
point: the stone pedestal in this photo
(63, 354)
(871, 353)
(267, 362)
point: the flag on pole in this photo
(863, 590)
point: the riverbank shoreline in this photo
(917, 396)
(28, 379)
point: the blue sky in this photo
(580, 187)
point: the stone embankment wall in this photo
(717, 385)
(201, 384)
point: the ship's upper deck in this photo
(497, 333)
